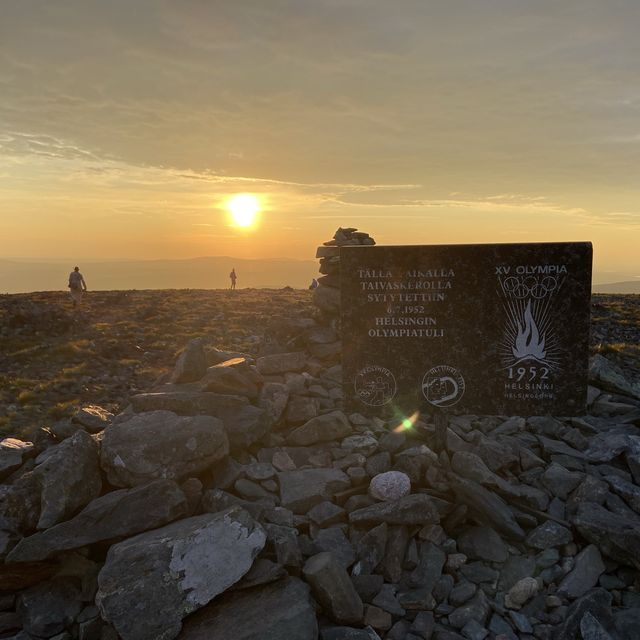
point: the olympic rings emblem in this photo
(530, 286)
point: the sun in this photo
(243, 209)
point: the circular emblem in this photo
(443, 386)
(375, 385)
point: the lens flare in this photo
(407, 423)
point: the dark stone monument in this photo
(498, 329)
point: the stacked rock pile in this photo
(327, 295)
(237, 500)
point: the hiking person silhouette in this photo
(77, 286)
(233, 278)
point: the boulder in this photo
(50, 607)
(482, 543)
(234, 377)
(273, 399)
(92, 418)
(615, 535)
(304, 488)
(150, 582)
(323, 428)
(241, 615)
(327, 299)
(391, 485)
(606, 375)
(333, 589)
(584, 575)
(279, 363)
(246, 426)
(489, 507)
(189, 403)
(191, 364)
(13, 453)
(415, 509)
(117, 514)
(69, 478)
(161, 445)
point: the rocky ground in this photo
(218, 490)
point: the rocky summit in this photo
(233, 498)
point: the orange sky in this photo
(124, 127)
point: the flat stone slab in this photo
(282, 610)
(150, 582)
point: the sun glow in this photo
(243, 210)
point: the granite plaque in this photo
(499, 329)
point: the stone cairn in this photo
(238, 500)
(327, 296)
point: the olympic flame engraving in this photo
(528, 343)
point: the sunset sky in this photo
(125, 126)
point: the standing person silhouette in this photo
(233, 278)
(77, 286)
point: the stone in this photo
(560, 481)
(367, 585)
(585, 574)
(69, 478)
(475, 609)
(92, 418)
(302, 489)
(348, 633)
(190, 403)
(606, 375)
(234, 377)
(333, 540)
(327, 299)
(216, 500)
(391, 485)
(274, 397)
(429, 568)
(387, 599)
(116, 514)
(370, 550)
(414, 509)
(246, 426)
(615, 535)
(301, 409)
(333, 589)
(323, 428)
(285, 543)
(365, 444)
(327, 513)
(377, 618)
(191, 364)
(160, 444)
(282, 610)
(488, 506)
(392, 561)
(279, 363)
(482, 543)
(597, 603)
(13, 453)
(549, 534)
(423, 624)
(50, 607)
(473, 630)
(461, 593)
(628, 491)
(591, 629)
(521, 591)
(150, 582)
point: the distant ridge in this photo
(629, 286)
(17, 276)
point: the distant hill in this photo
(196, 273)
(630, 286)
